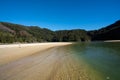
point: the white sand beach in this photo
(9, 53)
(43, 61)
(112, 41)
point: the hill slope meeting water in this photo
(111, 32)
(11, 33)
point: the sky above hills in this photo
(61, 14)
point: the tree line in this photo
(10, 33)
(110, 32)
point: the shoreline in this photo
(13, 52)
(52, 61)
(34, 44)
(111, 41)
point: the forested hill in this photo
(10, 33)
(111, 32)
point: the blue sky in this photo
(61, 14)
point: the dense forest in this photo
(11, 33)
(15, 33)
(111, 32)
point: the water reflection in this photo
(101, 57)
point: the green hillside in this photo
(10, 33)
(111, 32)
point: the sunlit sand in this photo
(39, 62)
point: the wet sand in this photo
(43, 62)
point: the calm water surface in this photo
(101, 59)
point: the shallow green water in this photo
(102, 59)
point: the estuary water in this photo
(101, 60)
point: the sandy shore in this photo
(48, 61)
(9, 53)
(112, 41)
(35, 44)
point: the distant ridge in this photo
(10, 33)
(111, 32)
